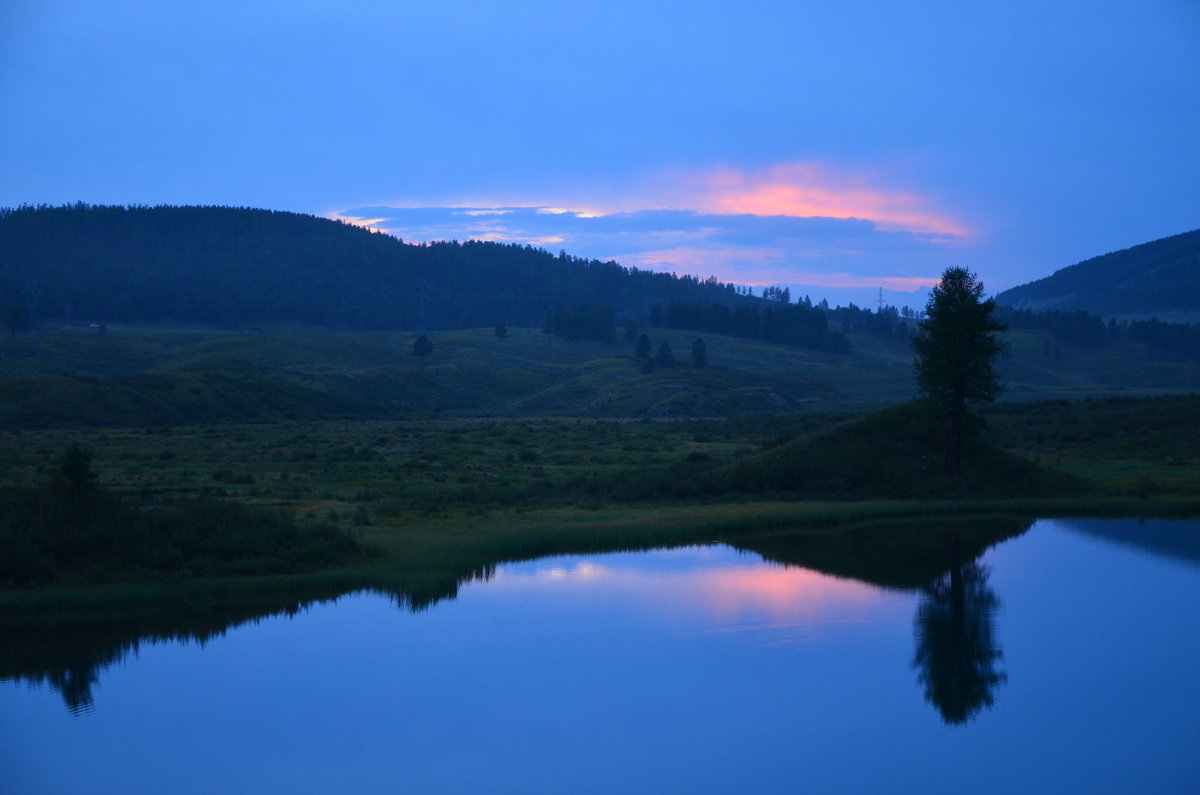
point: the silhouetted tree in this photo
(955, 346)
(422, 348)
(664, 357)
(699, 353)
(957, 652)
(641, 351)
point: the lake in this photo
(1057, 656)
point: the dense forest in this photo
(238, 266)
(1161, 277)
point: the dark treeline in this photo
(1083, 328)
(595, 323)
(1078, 327)
(1179, 339)
(775, 321)
(235, 266)
(887, 322)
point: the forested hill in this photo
(1159, 278)
(233, 266)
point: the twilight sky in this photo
(836, 147)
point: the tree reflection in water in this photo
(957, 654)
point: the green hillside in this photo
(155, 375)
(1160, 278)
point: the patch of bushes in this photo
(67, 529)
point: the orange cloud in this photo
(805, 190)
(798, 190)
(365, 223)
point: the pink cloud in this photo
(805, 190)
(797, 189)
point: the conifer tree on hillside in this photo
(664, 357)
(422, 348)
(642, 349)
(955, 345)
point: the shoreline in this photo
(421, 565)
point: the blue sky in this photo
(834, 147)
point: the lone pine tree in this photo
(955, 345)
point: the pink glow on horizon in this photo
(694, 259)
(725, 263)
(898, 283)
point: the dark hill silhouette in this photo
(1158, 278)
(237, 266)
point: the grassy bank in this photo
(443, 499)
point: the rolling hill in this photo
(239, 267)
(172, 375)
(1160, 278)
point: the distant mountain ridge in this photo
(1160, 278)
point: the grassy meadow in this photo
(503, 448)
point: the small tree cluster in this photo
(663, 356)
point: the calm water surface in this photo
(1063, 660)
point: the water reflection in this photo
(957, 650)
(1167, 538)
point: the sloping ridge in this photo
(1161, 277)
